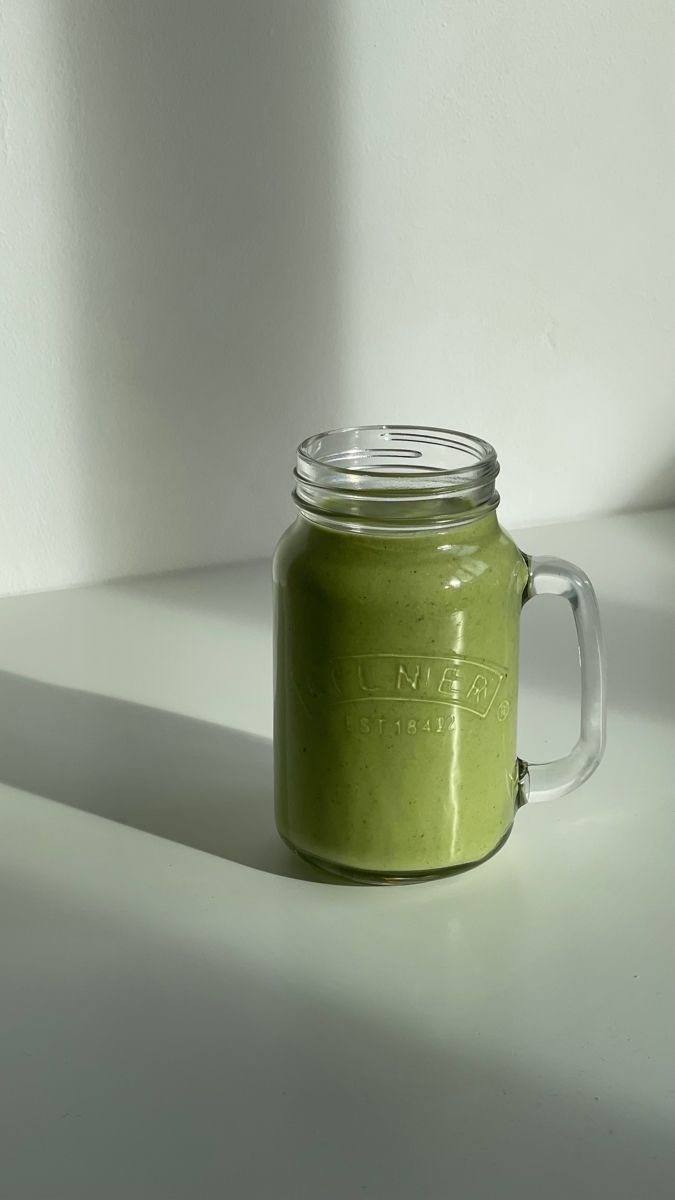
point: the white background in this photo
(226, 224)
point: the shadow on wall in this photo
(187, 780)
(201, 146)
(658, 490)
(641, 670)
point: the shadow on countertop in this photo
(209, 1052)
(210, 787)
(188, 780)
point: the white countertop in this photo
(187, 1012)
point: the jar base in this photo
(385, 878)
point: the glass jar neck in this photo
(395, 479)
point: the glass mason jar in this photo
(397, 610)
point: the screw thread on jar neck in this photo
(395, 478)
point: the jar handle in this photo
(548, 781)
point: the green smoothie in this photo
(395, 695)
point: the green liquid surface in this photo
(395, 694)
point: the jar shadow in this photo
(190, 781)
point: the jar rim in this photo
(388, 478)
(395, 477)
(328, 459)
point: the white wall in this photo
(231, 222)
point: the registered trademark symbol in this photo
(503, 710)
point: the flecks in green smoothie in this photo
(395, 697)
